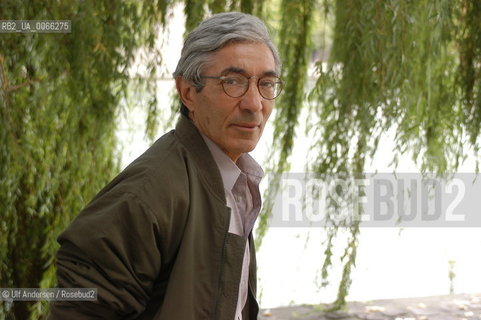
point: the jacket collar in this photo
(229, 171)
(191, 138)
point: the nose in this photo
(252, 99)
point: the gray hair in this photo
(213, 34)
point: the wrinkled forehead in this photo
(244, 57)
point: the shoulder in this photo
(164, 176)
(160, 172)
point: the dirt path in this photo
(451, 307)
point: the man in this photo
(171, 236)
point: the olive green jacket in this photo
(155, 241)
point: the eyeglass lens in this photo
(236, 85)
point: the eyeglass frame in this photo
(222, 78)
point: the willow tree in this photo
(409, 65)
(59, 97)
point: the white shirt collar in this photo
(229, 170)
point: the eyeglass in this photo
(235, 85)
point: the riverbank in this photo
(449, 307)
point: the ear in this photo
(186, 92)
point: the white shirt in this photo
(241, 185)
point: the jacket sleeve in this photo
(113, 245)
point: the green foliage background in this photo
(59, 98)
(409, 65)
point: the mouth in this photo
(246, 126)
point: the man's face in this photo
(234, 124)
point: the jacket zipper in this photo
(219, 286)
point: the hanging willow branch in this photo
(392, 65)
(194, 13)
(295, 47)
(469, 67)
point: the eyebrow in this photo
(242, 71)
